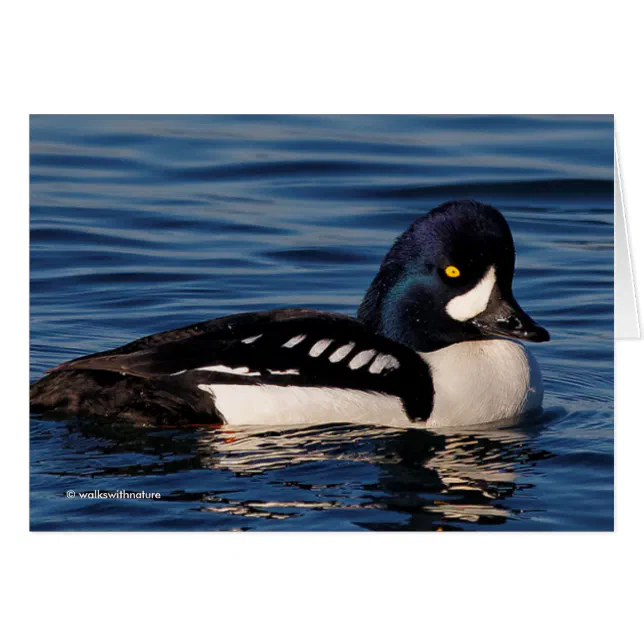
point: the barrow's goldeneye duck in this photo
(434, 343)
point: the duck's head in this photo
(448, 279)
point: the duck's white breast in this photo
(483, 381)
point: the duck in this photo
(437, 342)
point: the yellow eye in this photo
(452, 271)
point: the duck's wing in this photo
(288, 347)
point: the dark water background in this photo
(142, 224)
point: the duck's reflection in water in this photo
(434, 479)
(376, 478)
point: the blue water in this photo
(142, 224)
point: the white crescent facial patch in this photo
(470, 304)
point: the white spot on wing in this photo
(361, 359)
(293, 341)
(240, 371)
(383, 361)
(286, 372)
(342, 352)
(252, 339)
(470, 304)
(319, 347)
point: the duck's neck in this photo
(395, 306)
(483, 381)
(370, 309)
